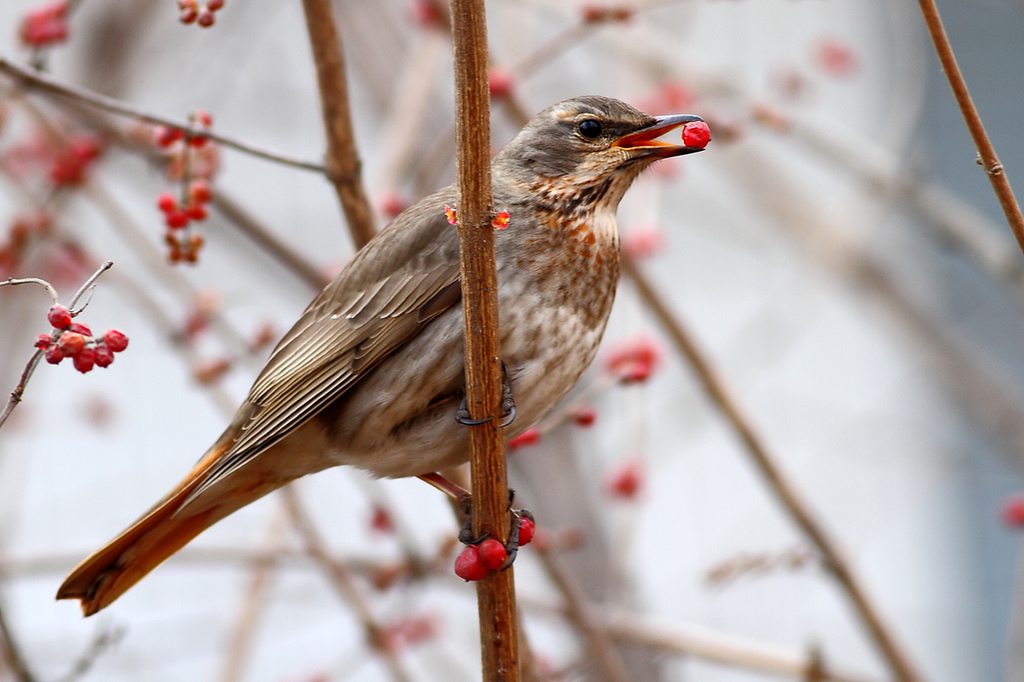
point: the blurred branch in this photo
(10, 654)
(39, 81)
(342, 581)
(797, 508)
(490, 516)
(986, 151)
(343, 165)
(605, 657)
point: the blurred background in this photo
(836, 254)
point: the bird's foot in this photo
(512, 546)
(508, 405)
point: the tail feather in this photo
(159, 533)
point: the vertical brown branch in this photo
(343, 166)
(794, 504)
(495, 593)
(986, 151)
(10, 655)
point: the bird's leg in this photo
(508, 405)
(512, 546)
(462, 497)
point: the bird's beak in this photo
(645, 142)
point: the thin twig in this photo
(40, 81)
(343, 165)
(794, 504)
(986, 151)
(495, 593)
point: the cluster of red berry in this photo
(177, 217)
(193, 12)
(183, 244)
(70, 165)
(634, 361)
(45, 24)
(24, 229)
(476, 561)
(74, 340)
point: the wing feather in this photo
(385, 296)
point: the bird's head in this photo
(586, 141)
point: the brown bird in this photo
(372, 373)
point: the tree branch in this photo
(986, 151)
(343, 165)
(39, 81)
(496, 592)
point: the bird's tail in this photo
(159, 533)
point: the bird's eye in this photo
(590, 129)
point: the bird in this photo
(372, 373)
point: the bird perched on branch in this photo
(372, 373)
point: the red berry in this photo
(116, 340)
(43, 341)
(584, 415)
(836, 58)
(166, 202)
(500, 83)
(71, 343)
(104, 356)
(492, 553)
(176, 219)
(199, 191)
(85, 360)
(80, 328)
(392, 204)
(636, 373)
(195, 212)
(626, 480)
(166, 135)
(188, 4)
(59, 317)
(634, 360)
(381, 520)
(643, 241)
(53, 355)
(468, 565)
(1013, 512)
(696, 134)
(530, 436)
(214, 5)
(527, 529)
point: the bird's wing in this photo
(393, 287)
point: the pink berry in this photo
(43, 341)
(71, 343)
(59, 317)
(203, 118)
(468, 565)
(166, 202)
(696, 134)
(104, 356)
(85, 360)
(116, 340)
(492, 553)
(527, 529)
(80, 328)
(530, 436)
(53, 355)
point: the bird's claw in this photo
(512, 546)
(508, 405)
